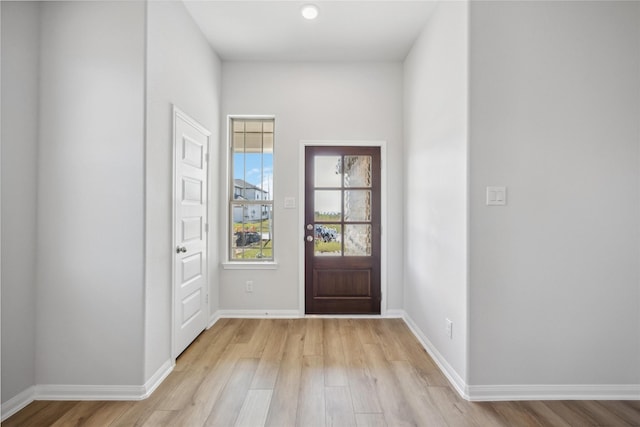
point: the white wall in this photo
(182, 70)
(90, 258)
(20, 49)
(555, 116)
(312, 101)
(435, 179)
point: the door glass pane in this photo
(328, 239)
(327, 171)
(357, 240)
(328, 206)
(357, 171)
(357, 205)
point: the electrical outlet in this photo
(449, 328)
(248, 287)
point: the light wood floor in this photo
(315, 372)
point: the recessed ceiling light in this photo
(310, 11)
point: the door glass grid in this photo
(342, 205)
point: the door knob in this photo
(181, 249)
(309, 238)
(309, 227)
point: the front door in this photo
(342, 230)
(191, 144)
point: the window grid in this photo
(251, 192)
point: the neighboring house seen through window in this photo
(251, 204)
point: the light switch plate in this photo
(496, 196)
(289, 202)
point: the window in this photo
(251, 201)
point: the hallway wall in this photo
(20, 57)
(90, 265)
(435, 178)
(554, 288)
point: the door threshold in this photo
(344, 316)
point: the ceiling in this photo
(345, 30)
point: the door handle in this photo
(181, 249)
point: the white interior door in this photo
(190, 295)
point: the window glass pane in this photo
(253, 126)
(252, 231)
(328, 238)
(357, 205)
(327, 205)
(357, 240)
(327, 171)
(357, 171)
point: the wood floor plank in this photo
(269, 365)
(570, 413)
(193, 353)
(600, 414)
(92, 414)
(160, 419)
(514, 414)
(416, 394)
(246, 330)
(258, 341)
(394, 406)
(313, 337)
(484, 414)
(311, 402)
(461, 413)
(365, 332)
(545, 414)
(387, 332)
(255, 407)
(370, 420)
(339, 408)
(361, 384)
(284, 402)
(39, 413)
(209, 389)
(138, 414)
(228, 405)
(624, 410)
(182, 395)
(334, 362)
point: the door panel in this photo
(190, 216)
(342, 230)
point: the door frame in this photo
(383, 214)
(175, 114)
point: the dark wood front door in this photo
(342, 230)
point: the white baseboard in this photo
(157, 378)
(257, 314)
(104, 392)
(86, 392)
(480, 393)
(213, 319)
(89, 392)
(17, 402)
(395, 314)
(293, 314)
(554, 392)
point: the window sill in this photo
(270, 265)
